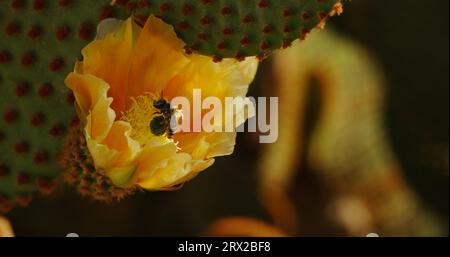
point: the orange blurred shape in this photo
(5, 228)
(243, 227)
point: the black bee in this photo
(161, 122)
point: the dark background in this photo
(409, 38)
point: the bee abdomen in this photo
(159, 125)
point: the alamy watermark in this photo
(213, 114)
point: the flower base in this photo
(79, 171)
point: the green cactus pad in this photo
(39, 43)
(239, 28)
(41, 39)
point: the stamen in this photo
(140, 115)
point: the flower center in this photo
(149, 116)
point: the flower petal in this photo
(87, 89)
(228, 78)
(104, 157)
(157, 57)
(218, 144)
(109, 59)
(101, 119)
(119, 140)
(160, 166)
(108, 26)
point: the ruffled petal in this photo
(157, 57)
(108, 140)
(101, 119)
(117, 151)
(160, 166)
(103, 157)
(109, 59)
(228, 78)
(119, 140)
(87, 89)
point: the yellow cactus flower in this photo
(123, 72)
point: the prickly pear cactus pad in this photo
(40, 40)
(241, 28)
(39, 43)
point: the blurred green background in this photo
(408, 39)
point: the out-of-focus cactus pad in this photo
(39, 43)
(237, 28)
